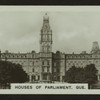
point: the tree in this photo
(74, 75)
(90, 74)
(12, 73)
(79, 75)
(70, 75)
(87, 74)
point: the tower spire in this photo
(46, 35)
(46, 17)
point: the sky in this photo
(74, 29)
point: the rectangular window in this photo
(33, 77)
(33, 69)
(48, 69)
(96, 61)
(54, 64)
(33, 63)
(42, 62)
(42, 69)
(54, 69)
(38, 77)
(58, 70)
(47, 62)
(44, 77)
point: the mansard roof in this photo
(19, 55)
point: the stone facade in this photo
(49, 66)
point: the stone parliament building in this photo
(49, 66)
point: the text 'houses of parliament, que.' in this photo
(49, 66)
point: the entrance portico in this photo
(33, 78)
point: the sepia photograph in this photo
(50, 45)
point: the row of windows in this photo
(46, 55)
(78, 56)
(76, 61)
(47, 69)
(46, 37)
(12, 56)
(35, 77)
(23, 62)
(75, 64)
(43, 62)
(81, 61)
(82, 56)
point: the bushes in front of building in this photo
(11, 73)
(87, 74)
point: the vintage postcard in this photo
(49, 50)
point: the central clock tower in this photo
(46, 36)
(46, 49)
